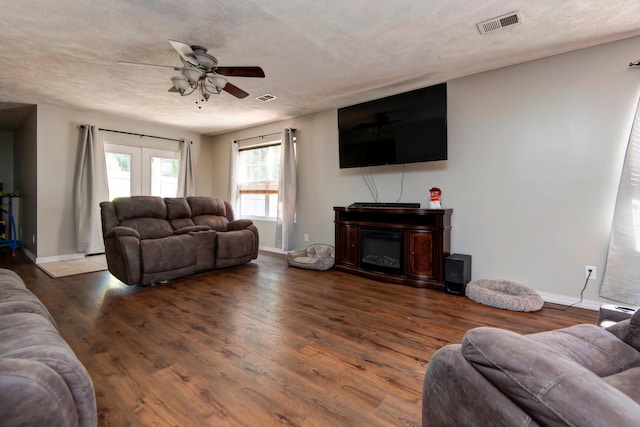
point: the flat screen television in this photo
(405, 128)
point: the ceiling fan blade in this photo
(185, 51)
(139, 64)
(240, 71)
(235, 91)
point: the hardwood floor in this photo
(263, 344)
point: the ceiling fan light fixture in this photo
(192, 75)
(214, 83)
(181, 84)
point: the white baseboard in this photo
(565, 300)
(68, 257)
(272, 250)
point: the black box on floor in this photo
(457, 273)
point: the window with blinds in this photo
(258, 174)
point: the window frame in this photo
(268, 189)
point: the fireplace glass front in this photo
(381, 250)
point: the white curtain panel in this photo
(287, 190)
(186, 176)
(91, 188)
(621, 280)
(233, 176)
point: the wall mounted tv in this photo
(405, 128)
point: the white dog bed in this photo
(504, 294)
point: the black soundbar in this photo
(383, 205)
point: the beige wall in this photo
(535, 154)
(58, 138)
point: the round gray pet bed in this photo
(504, 294)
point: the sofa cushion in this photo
(140, 206)
(552, 388)
(592, 347)
(178, 212)
(202, 205)
(177, 207)
(169, 253)
(235, 244)
(149, 228)
(214, 222)
(627, 382)
(209, 211)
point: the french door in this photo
(133, 171)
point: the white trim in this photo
(565, 300)
(273, 249)
(68, 257)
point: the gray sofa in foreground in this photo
(149, 239)
(42, 383)
(577, 376)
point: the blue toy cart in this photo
(9, 239)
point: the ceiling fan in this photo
(200, 73)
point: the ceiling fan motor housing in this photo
(205, 60)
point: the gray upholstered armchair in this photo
(577, 376)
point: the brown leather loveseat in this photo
(149, 239)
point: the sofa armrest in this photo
(192, 229)
(123, 256)
(239, 224)
(120, 230)
(551, 387)
(34, 394)
(455, 394)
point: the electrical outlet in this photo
(306, 237)
(593, 272)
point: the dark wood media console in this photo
(397, 245)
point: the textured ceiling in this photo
(316, 54)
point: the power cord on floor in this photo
(581, 292)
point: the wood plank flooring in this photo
(263, 344)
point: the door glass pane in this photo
(118, 174)
(164, 177)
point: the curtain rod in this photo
(262, 136)
(137, 134)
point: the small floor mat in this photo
(87, 264)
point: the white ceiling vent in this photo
(266, 97)
(500, 22)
